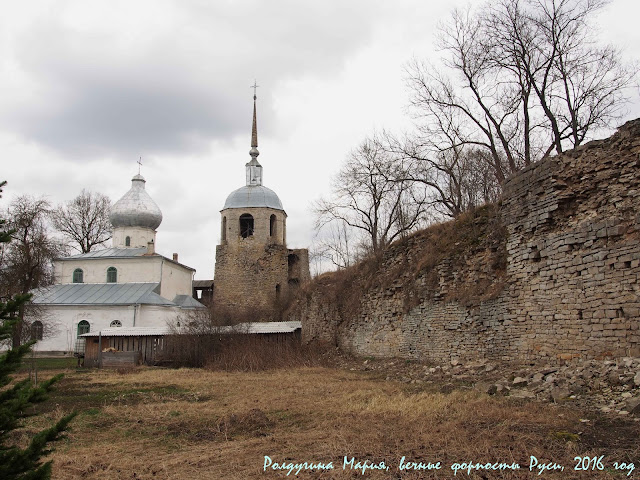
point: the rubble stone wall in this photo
(571, 288)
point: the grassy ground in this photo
(197, 424)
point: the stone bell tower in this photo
(255, 271)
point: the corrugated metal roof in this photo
(255, 327)
(109, 252)
(130, 332)
(100, 294)
(187, 301)
(202, 283)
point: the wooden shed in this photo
(123, 346)
(116, 347)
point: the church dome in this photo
(253, 196)
(136, 208)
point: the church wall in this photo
(139, 237)
(176, 280)
(61, 323)
(157, 316)
(130, 270)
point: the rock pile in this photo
(610, 386)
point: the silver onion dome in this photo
(253, 196)
(136, 208)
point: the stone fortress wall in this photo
(570, 288)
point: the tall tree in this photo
(26, 262)
(368, 198)
(528, 79)
(18, 399)
(84, 221)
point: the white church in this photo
(123, 287)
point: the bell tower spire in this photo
(254, 169)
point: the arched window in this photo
(116, 323)
(272, 225)
(246, 225)
(224, 229)
(127, 242)
(78, 276)
(278, 291)
(112, 275)
(36, 330)
(83, 327)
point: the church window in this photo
(278, 291)
(246, 225)
(224, 229)
(83, 327)
(36, 330)
(116, 323)
(127, 242)
(78, 276)
(272, 225)
(112, 275)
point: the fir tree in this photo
(16, 400)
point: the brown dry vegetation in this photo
(156, 423)
(474, 245)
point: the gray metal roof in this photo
(187, 301)
(253, 196)
(100, 294)
(109, 252)
(252, 327)
(129, 332)
(136, 208)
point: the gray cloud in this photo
(178, 89)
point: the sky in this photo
(89, 87)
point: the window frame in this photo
(114, 274)
(77, 276)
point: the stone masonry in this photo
(255, 275)
(570, 289)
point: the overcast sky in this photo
(90, 86)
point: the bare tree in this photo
(456, 179)
(370, 197)
(335, 244)
(25, 263)
(528, 80)
(84, 221)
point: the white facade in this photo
(128, 285)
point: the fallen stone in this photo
(632, 405)
(502, 389)
(614, 379)
(522, 394)
(486, 387)
(558, 394)
(636, 379)
(520, 382)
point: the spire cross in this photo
(254, 86)
(139, 162)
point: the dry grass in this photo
(199, 424)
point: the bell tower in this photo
(255, 271)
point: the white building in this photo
(128, 285)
